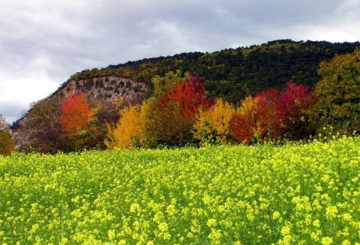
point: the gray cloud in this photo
(11, 111)
(44, 42)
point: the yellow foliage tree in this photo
(213, 125)
(136, 127)
(249, 108)
(127, 132)
(149, 124)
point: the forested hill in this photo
(231, 74)
(235, 73)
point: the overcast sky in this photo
(43, 42)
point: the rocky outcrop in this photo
(106, 88)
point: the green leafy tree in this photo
(338, 95)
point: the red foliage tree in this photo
(266, 114)
(75, 113)
(291, 105)
(256, 118)
(190, 95)
(242, 129)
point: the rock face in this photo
(106, 88)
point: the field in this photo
(264, 194)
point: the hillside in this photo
(229, 73)
(235, 73)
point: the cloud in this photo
(11, 111)
(42, 43)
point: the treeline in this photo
(180, 112)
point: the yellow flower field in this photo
(264, 194)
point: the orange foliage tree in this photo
(242, 129)
(256, 118)
(266, 115)
(75, 113)
(173, 118)
(149, 124)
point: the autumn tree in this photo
(150, 124)
(213, 125)
(175, 112)
(75, 113)
(165, 124)
(128, 132)
(258, 114)
(292, 106)
(190, 96)
(242, 129)
(103, 113)
(338, 95)
(7, 143)
(41, 130)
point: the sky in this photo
(42, 42)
